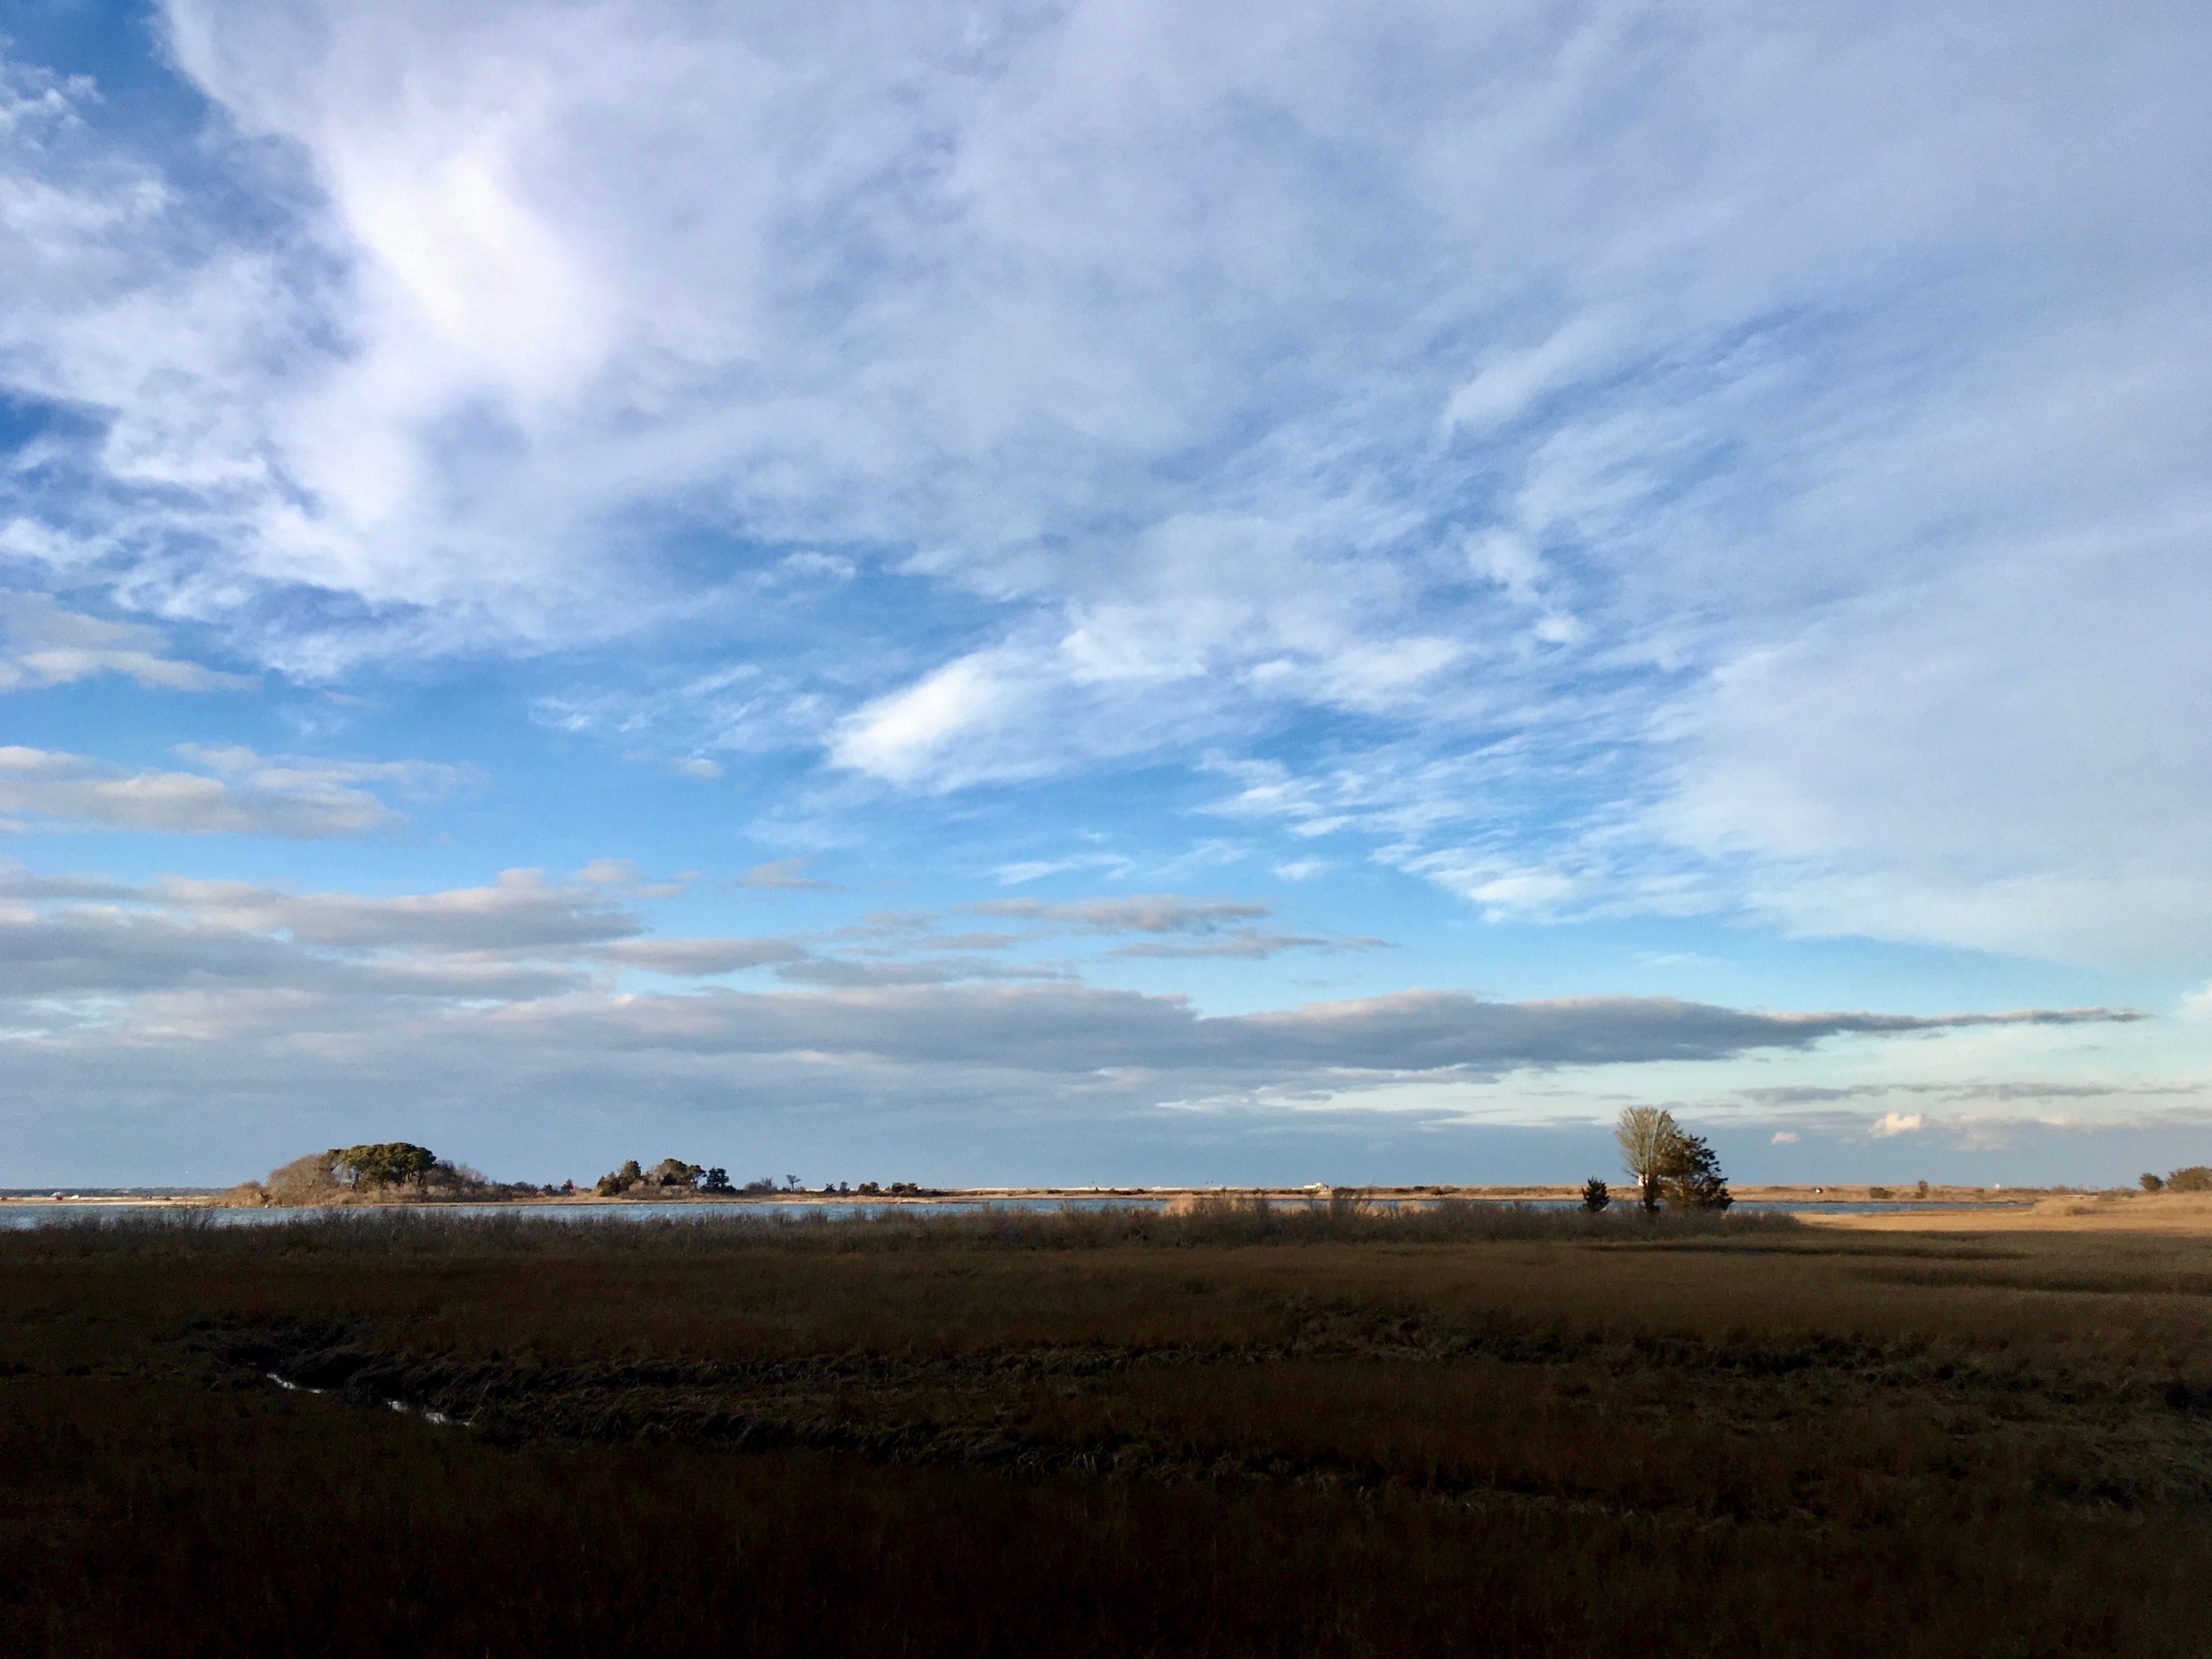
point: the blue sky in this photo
(1105, 592)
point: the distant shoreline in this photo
(1942, 1197)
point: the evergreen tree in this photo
(1690, 1172)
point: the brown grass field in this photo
(1460, 1430)
(2180, 1215)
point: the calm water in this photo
(37, 1214)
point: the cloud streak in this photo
(527, 943)
(42, 645)
(1154, 914)
(235, 792)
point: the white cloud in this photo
(811, 566)
(1993, 757)
(608, 872)
(247, 794)
(1796, 408)
(693, 956)
(43, 645)
(1204, 928)
(197, 1008)
(1157, 913)
(515, 966)
(918, 735)
(1248, 944)
(1783, 1137)
(521, 912)
(1890, 1124)
(1502, 888)
(1028, 870)
(784, 876)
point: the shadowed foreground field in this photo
(1447, 1432)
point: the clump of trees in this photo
(669, 1173)
(385, 1164)
(1595, 1196)
(1670, 1165)
(372, 1172)
(2197, 1178)
(670, 1178)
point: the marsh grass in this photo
(425, 1230)
(1340, 1432)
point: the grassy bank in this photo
(1231, 1431)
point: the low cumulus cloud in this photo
(698, 958)
(521, 967)
(105, 952)
(852, 972)
(70, 935)
(785, 876)
(514, 998)
(43, 645)
(234, 792)
(64, 937)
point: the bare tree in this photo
(1646, 1135)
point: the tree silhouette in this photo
(1690, 1171)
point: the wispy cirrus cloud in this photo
(1188, 929)
(1248, 944)
(1637, 466)
(1162, 913)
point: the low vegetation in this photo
(2198, 1178)
(1248, 1429)
(1224, 1221)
